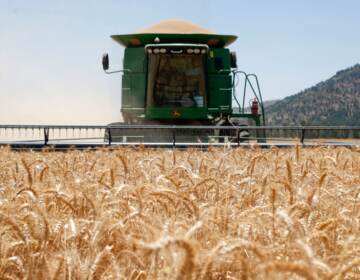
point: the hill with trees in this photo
(335, 101)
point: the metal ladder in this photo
(248, 83)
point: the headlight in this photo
(190, 51)
(156, 51)
(163, 50)
(149, 50)
(203, 51)
(196, 51)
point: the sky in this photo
(50, 51)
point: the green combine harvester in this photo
(177, 73)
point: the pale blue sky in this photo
(50, 51)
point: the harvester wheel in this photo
(226, 135)
(244, 135)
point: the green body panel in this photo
(135, 60)
(176, 113)
(142, 39)
(134, 80)
(126, 94)
(219, 54)
(219, 82)
(219, 93)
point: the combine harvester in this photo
(179, 88)
(177, 73)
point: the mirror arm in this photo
(117, 71)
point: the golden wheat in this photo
(137, 213)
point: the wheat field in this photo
(136, 213)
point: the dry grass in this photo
(163, 214)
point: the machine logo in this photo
(176, 114)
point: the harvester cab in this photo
(181, 74)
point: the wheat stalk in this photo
(139, 213)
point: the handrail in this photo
(234, 88)
(260, 95)
(248, 81)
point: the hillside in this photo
(268, 103)
(335, 101)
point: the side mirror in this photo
(233, 60)
(105, 61)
